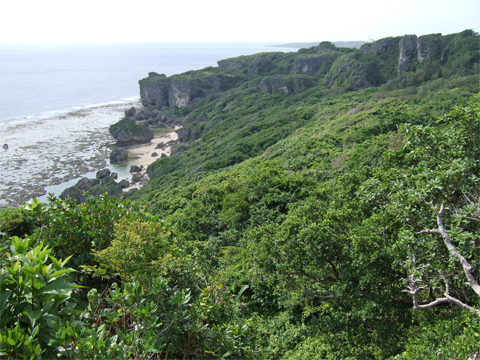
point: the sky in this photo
(52, 21)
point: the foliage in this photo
(36, 299)
(290, 229)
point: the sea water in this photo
(58, 100)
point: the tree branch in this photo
(467, 268)
(413, 289)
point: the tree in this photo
(432, 184)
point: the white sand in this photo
(142, 155)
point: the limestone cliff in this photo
(182, 90)
(354, 71)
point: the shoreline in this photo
(141, 154)
(45, 153)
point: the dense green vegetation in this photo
(317, 223)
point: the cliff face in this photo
(373, 64)
(311, 64)
(180, 91)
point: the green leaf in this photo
(57, 287)
(3, 300)
(33, 315)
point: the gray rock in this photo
(101, 174)
(230, 63)
(153, 74)
(381, 46)
(86, 184)
(127, 132)
(119, 155)
(154, 154)
(161, 146)
(138, 116)
(130, 112)
(311, 64)
(408, 52)
(114, 176)
(187, 134)
(5, 146)
(135, 168)
(163, 155)
(152, 121)
(262, 65)
(161, 117)
(137, 177)
(286, 85)
(124, 183)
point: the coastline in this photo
(141, 155)
(53, 151)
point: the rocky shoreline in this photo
(54, 150)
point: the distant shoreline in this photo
(300, 45)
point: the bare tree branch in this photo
(467, 268)
(413, 289)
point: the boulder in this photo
(137, 177)
(127, 132)
(163, 155)
(124, 183)
(130, 112)
(114, 176)
(118, 155)
(135, 168)
(161, 117)
(101, 174)
(161, 146)
(154, 154)
(86, 184)
(152, 121)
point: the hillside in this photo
(322, 204)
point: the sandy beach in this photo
(141, 155)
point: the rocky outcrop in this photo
(263, 64)
(104, 182)
(311, 64)
(381, 46)
(354, 71)
(230, 63)
(408, 52)
(187, 134)
(136, 168)
(118, 155)
(429, 46)
(126, 132)
(284, 84)
(180, 91)
(155, 92)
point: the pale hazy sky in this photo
(230, 21)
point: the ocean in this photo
(58, 100)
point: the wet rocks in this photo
(135, 168)
(118, 155)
